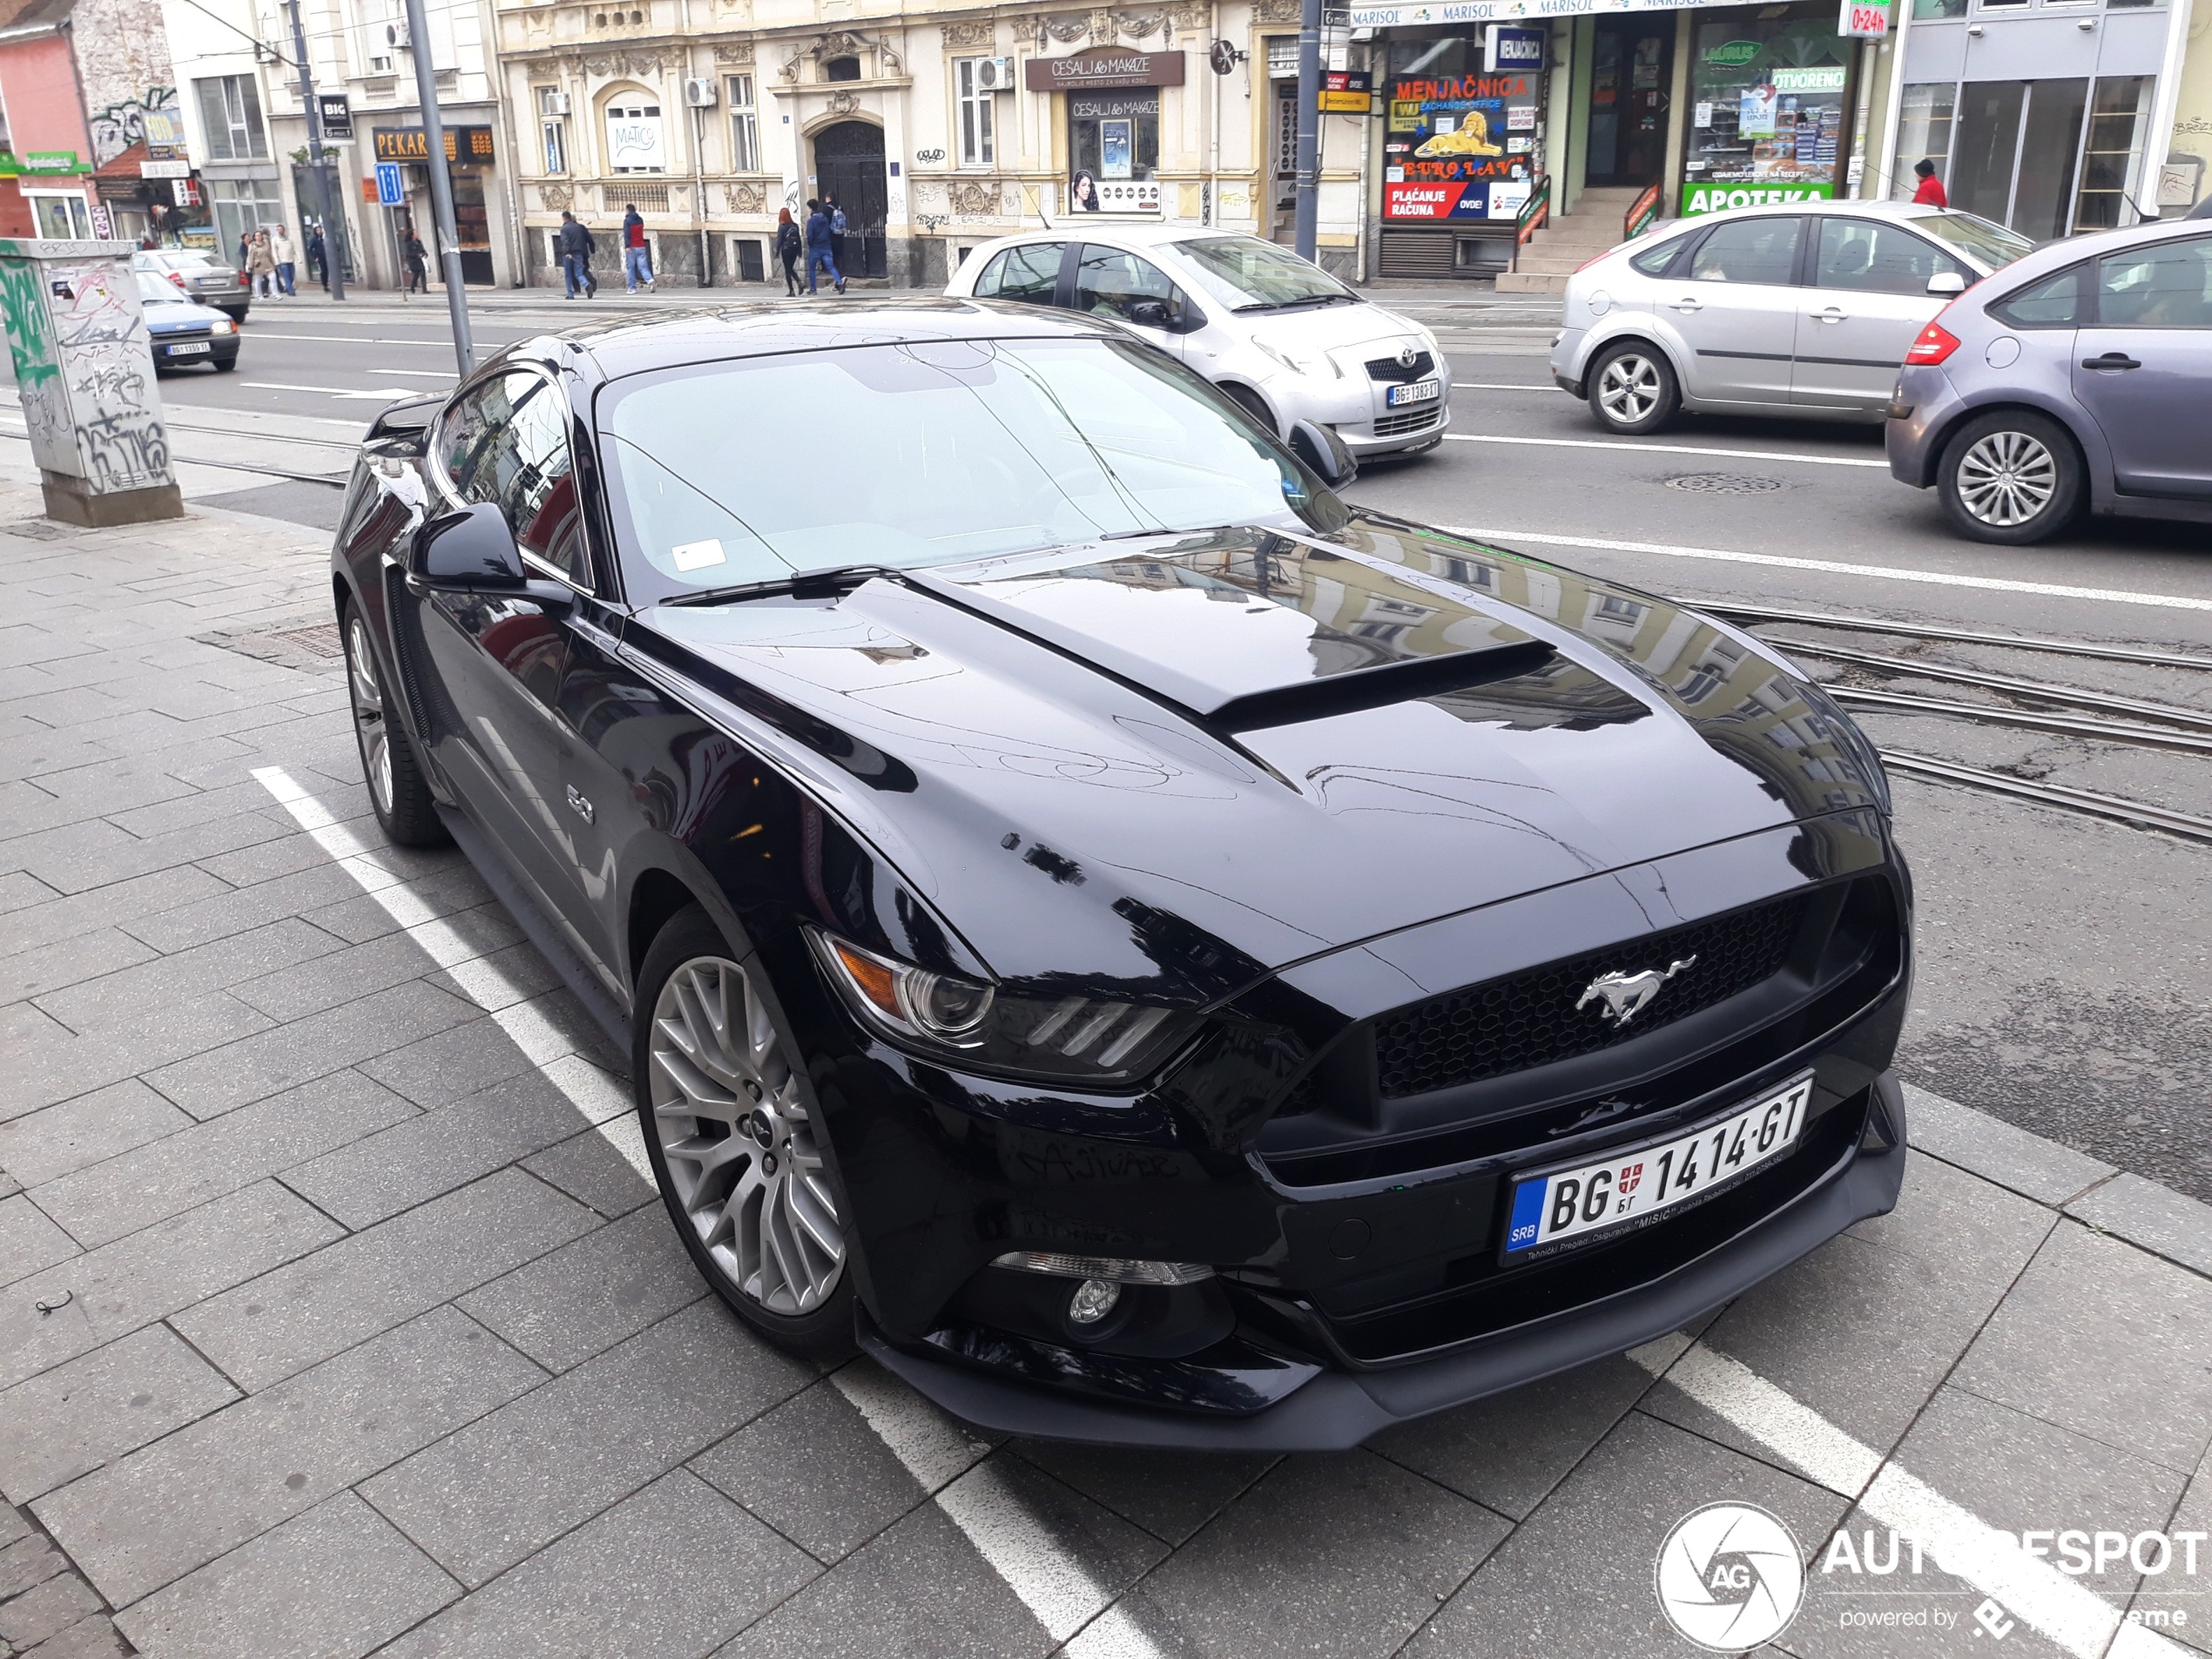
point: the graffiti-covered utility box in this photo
(85, 373)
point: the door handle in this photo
(2114, 360)
(1689, 305)
(1830, 315)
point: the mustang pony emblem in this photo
(1625, 995)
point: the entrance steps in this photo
(1568, 241)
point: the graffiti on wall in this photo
(151, 117)
(78, 340)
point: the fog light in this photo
(1093, 1300)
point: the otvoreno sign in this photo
(1103, 67)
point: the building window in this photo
(744, 126)
(1114, 138)
(2111, 155)
(636, 141)
(1925, 112)
(65, 216)
(552, 108)
(242, 204)
(841, 68)
(973, 109)
(230, 116)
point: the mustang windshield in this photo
(925, 454)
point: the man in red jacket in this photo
(1931, 190)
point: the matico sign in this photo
(1103, 67)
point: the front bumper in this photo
(1335, 1409)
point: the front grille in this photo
(1391, 426)
(1530, 1018)
(1389, 368)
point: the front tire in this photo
(1633, 389)
(730, 1126)
(1252, 404)
(2011, 476)
(398, 792)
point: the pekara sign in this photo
(85, 373)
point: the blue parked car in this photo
(182, 331)
(2075, 379)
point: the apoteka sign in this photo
(1730, 1577)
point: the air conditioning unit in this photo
(698, 92)
(994, 75)
(554, 102)
(395, 37)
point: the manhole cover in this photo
(296, 642)
(1724, 484)
(40, 530)
(321, 640)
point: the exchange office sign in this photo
(1103, 68)
(465, 146)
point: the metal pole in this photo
(433, 139)
(1305, 222)
(334, 225)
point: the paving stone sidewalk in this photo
(336, 1319)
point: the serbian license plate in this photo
(1419, 391)
(190, 349)
(1633, 1188)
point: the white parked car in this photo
(1806, 310)
(1277, 334)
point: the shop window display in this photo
(1770, 103)
(1459, 144)
(1114, 141)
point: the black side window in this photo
(2055, 302)
(1653, 261)
(1749, 250)
(1110, 283)
(1030, 274)
(507, 441)
(1871, 257)
(2166, 285)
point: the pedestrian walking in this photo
(288, 261)
(788, 248)
(417, 260)
(837, 230)
(818, 247)
(317, 258)
(260, 265)
(574, 244)
(1931, 187)
(637, 256)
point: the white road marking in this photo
(978, 1498)
(2060, 1607)
(602, 1102)
(1669, 449)
(1889, 573)
(944, 1458)
(353, 339)
(1498, 386)
(384, 394)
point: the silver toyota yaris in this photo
(2078, 378)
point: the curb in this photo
(2170, 1225)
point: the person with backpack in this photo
(318, 271)
(837, 230)
(637, 256)
(574, 244)
(787, 250)
(819, 252)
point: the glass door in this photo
(1631, 78)
(2018, 144)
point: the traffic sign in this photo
(391, 191)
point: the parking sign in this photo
(390, 192)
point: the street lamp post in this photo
(434, 142)
(334, 209)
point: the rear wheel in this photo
(2011, 476)
(400, 794)
(730, 1127)
(1633, 389)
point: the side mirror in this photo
(1949, 284)
(470, 550)
(1324, 452)
(1151, 313)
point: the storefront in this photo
(1770, 102)
(1112, 117)
(1462, 144)
(471, 155)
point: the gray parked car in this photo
(2080, 377)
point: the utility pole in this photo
(434, 139)
(334, 210)
(1305, 222)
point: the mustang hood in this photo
(1260, 745)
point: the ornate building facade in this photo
(934, 129)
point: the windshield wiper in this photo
(1310, 300)
(823, 583)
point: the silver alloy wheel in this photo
(740, 1145)
(368, 713)
(1628, 387)
(2006, 478)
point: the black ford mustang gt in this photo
(1153, 953)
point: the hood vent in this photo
(1375, 688)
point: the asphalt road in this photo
(2065, 977)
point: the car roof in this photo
(1142, 233)
(770, 327)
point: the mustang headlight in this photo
(1074, 1039)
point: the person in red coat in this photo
(1930, 188)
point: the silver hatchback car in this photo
(2082, 378)
(1801, 311)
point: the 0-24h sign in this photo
(1864, 22)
